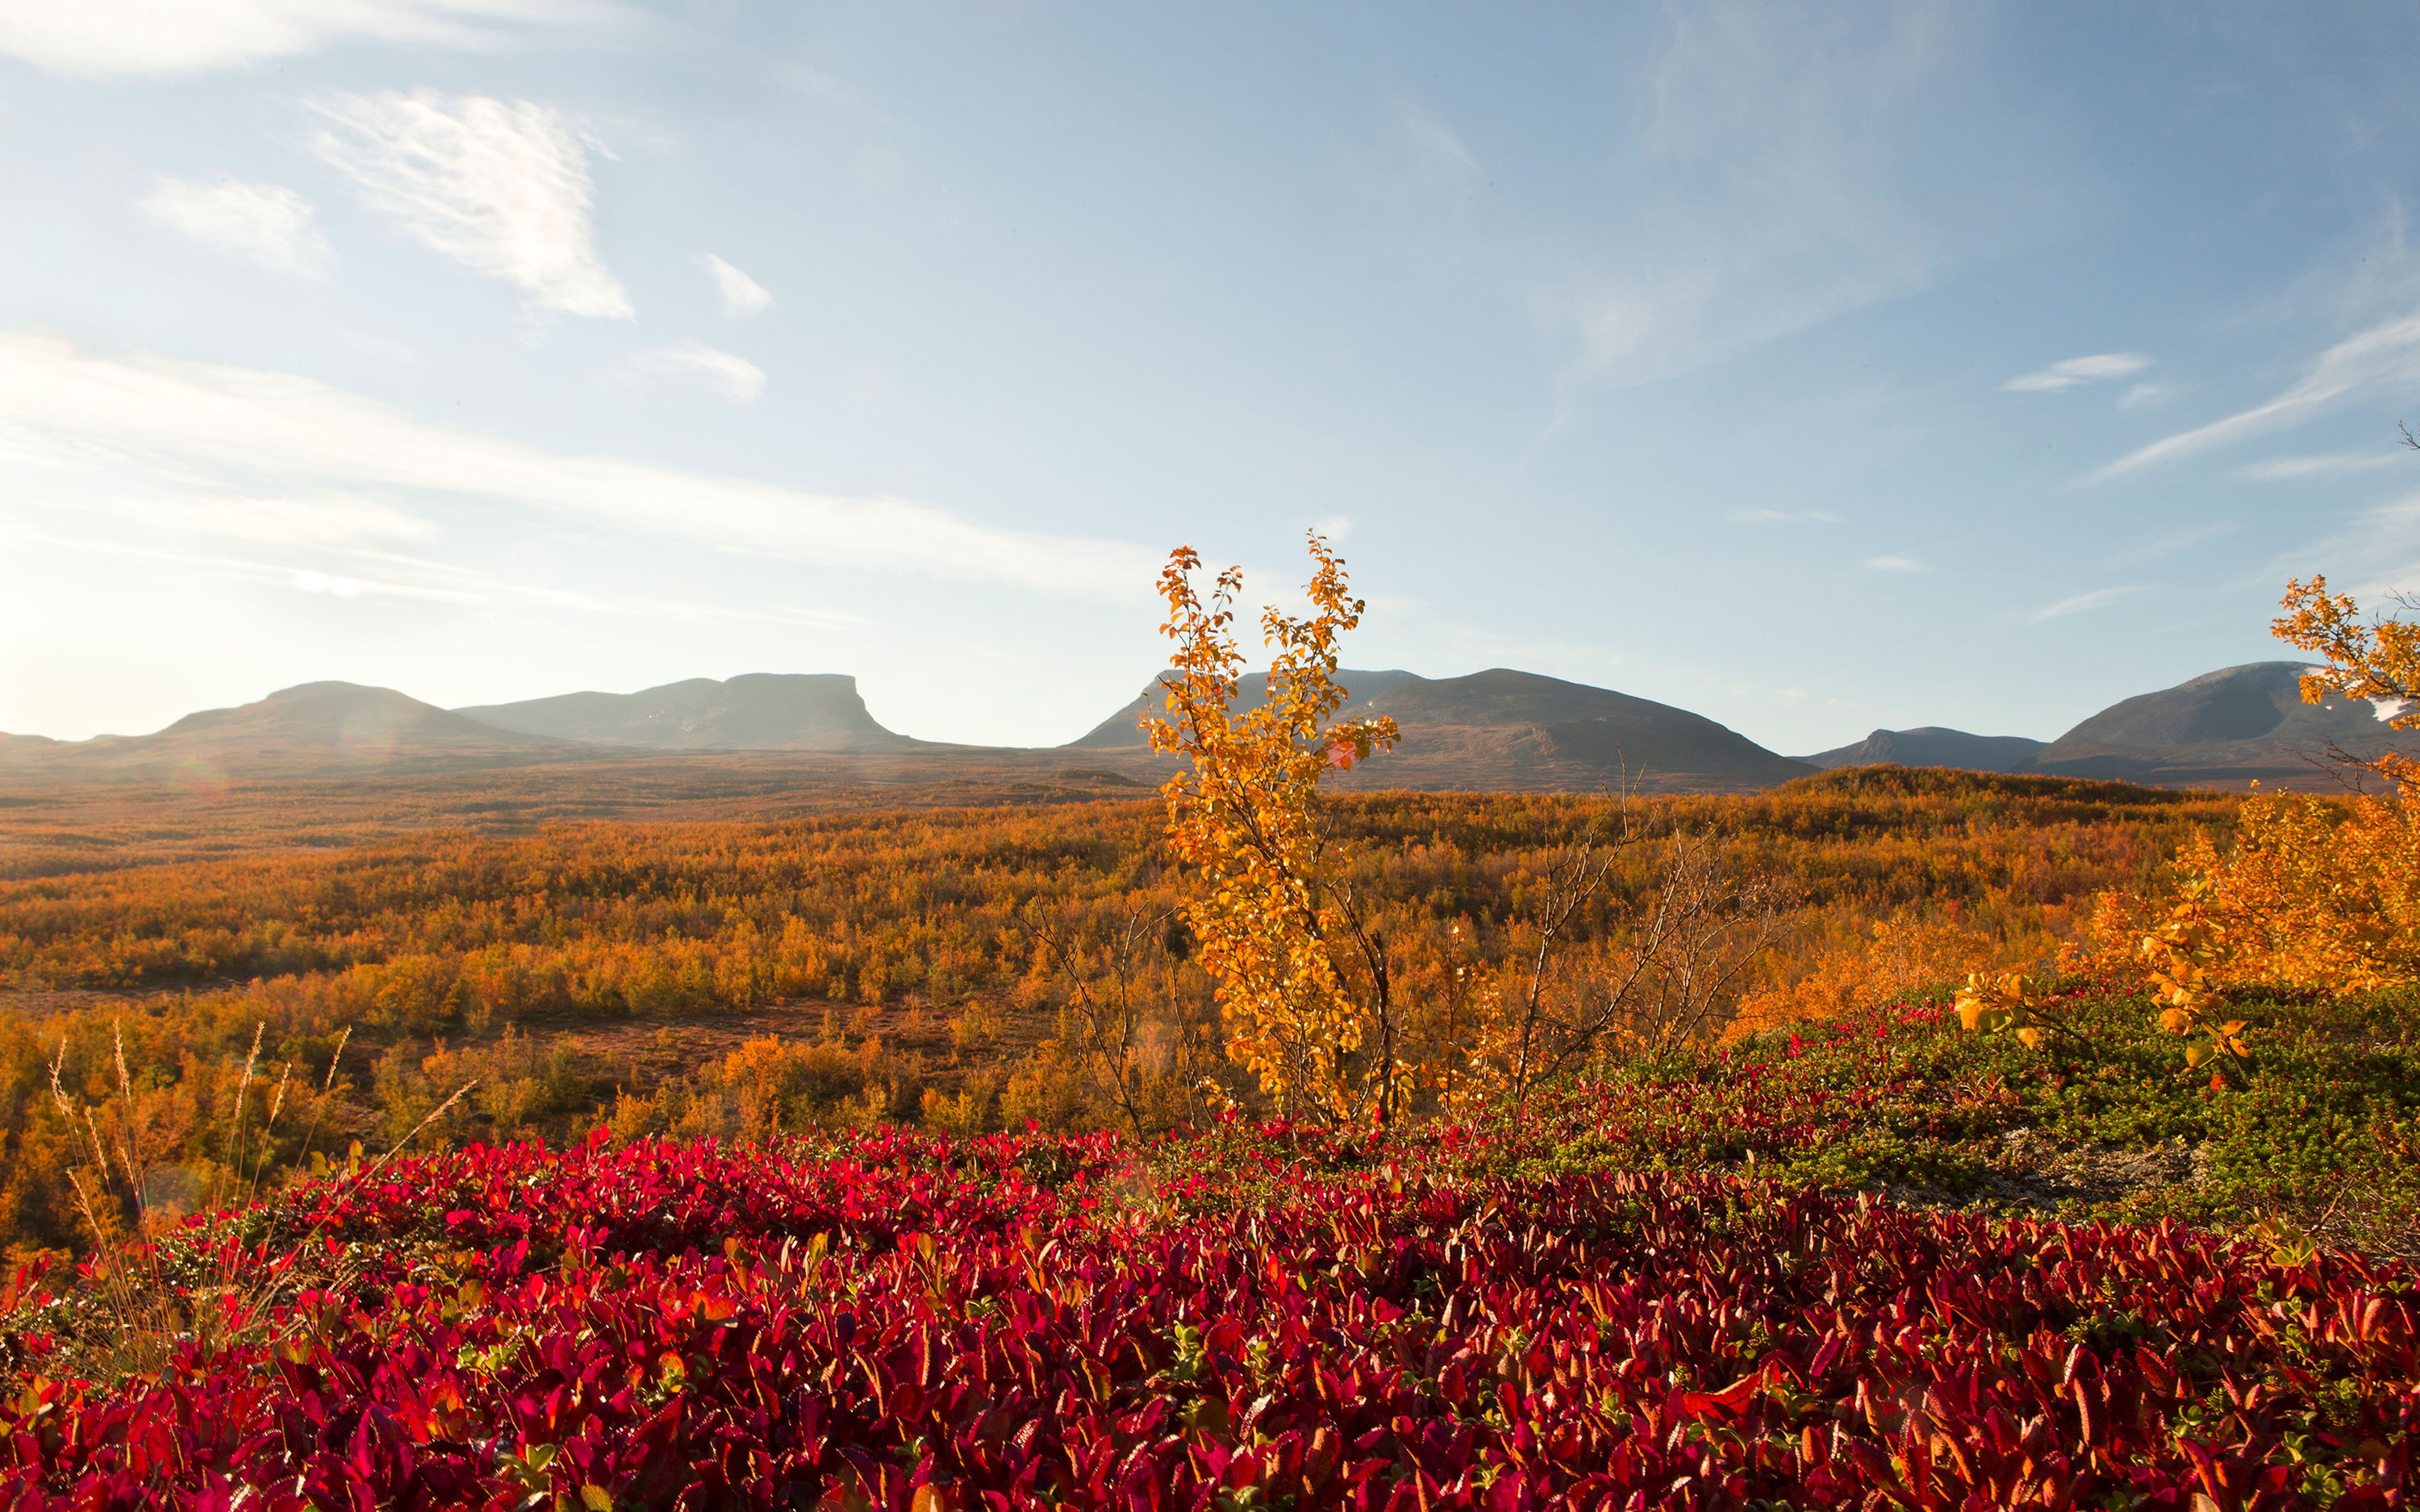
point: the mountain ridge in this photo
(753, 710)
(1497, 730)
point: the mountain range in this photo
(2229, 727)
(1497, 730)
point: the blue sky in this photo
(1816, 368)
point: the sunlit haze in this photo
(1815, 368)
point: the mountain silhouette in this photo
(1123, 728)
(1503, 729)
(1935, 745)
(756, 711)
(305, 730)
(2229, 726)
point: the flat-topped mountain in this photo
(1502, 729)
(756, 711)
(1935, 745)
(315, 727)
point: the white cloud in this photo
(1420, 176)
(76, 425)
(695, 364)
(2169, 544)
(280, 521)
(267, 224)
(2142, 394)
(105, 36)
(499, 186)
(2370, 553)
(310, 582)
(741, 294)
(2076, 370)
(2385, 353)
(1896, 565)
(1776, 186)
(2281, 469)
(2080, 603)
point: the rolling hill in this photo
(316, 729)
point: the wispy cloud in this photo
(93, 38)
(2387, 352)
(694, 364)
(2077, 370)
(1896, 565)
(389, 576)
(1775, 188)
(79, 424)
(304, 521)
(501, 187)
(742, 295)
(2171, 543)
(2081, 603)
(2284, 468)
(2370, 553)
(266, 223)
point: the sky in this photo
(1817, 368)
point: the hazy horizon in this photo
(1879, 367)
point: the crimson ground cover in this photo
(1254, 1318)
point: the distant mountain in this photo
(758, 710)
(1502, 730)
(1933, 745)
(1495, 731)
(317, 727)
(1251, 691)
(2228, 726)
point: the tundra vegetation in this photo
(1889, 1139)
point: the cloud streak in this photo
(1775, 188)
(694, 364)
(97, 38)
(2059, 377)
(74, 425)
(2080, 604)
(500, 187)
(742, 295)
(2284, 469)
(2387, 352)
(266, 223)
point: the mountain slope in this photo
(2233, 724)
(1935, 745)
(313, 728)
(756, 711)
(1121, 729)
(1539, 721)
(1505, 730)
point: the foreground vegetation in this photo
(1250, 1316)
